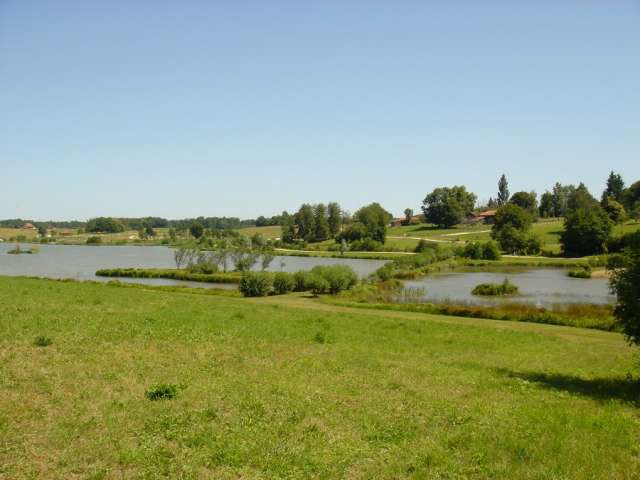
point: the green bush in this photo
(94, 240)
(256, 284)
(338, 277)
(283, 282)
(584, 272)
(482, 250)
(41, 341)
(493, 289)
(161, 391)
(424, 246)
(300, 279)
(317, 284)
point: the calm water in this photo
(81, 263)
(542, 287)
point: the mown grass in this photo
(267, 232)
(284, 387)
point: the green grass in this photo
(285, 387)
(266, 232)
(171, 273)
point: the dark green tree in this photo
(546, 205)
(320, 222)
(511, 230)
(288, 228)
(335, 218)
(586, 229)
(527, 201)
(196, 229)
(625, 283)
(305, 222)
(446, 206)
(408, 216)
(375, 219)
(561, 195)
(503, 191)
(615, 187)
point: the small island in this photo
(19, 251)
(495, 289)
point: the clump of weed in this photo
(42, 341)
(320, 337)
(504, 288)
(161, 391)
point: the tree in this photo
(288, 228)
(527, 201)
(320, 222)
(446, 206)
(42, 230)
(580, 197)
(615, 187)
(546, 205)
(104, 225)
(631, 196)
(306, 223)
(503, 191)
(196, 229)
(408, 215)
(561, 195)
(335, 218)
(586, 229)
(374, 219)
(511, 229)
(614, 209)
(625, 283)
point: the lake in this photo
(81, 263)
(543, 287)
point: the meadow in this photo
(290, 387)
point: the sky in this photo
(247, 108)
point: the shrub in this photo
(41, 341)
(256, 284)
(385, 272)
(584, 272)
(492, 289)
(423, 246)
(300, 279)
(94, 240)
(481, 251)
(490, 251)
(283, 282)
(161, 391)
(317, 284)
(585, 231)
(338, 277)
(365, 245)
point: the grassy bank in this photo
(172, 274)
(284, 387)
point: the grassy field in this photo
(7, 233)
(286, 387)
(266, 232)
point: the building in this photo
(29, 226)
(488, 217)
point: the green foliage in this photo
(422, 246)
(615, 210)
(583, 272)
(481, 250)
(104, 225)
(42, 341)
(338, 277)
(161, 391)
(625, 283)
(446, 206)
(511, 230)
(527, 201)
(306, 223)
(546, 208)
(320, 222)
(301, 280)
(283, 283)
(503, 191)
(586, 229)
(334, 218)
(94, 240)
(615, 187)
(256, 284)
(495, 289)
(316, 284)
(374, 219)
(196, 230)
(185, 275)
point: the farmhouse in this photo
(487, 216)
(29, 226)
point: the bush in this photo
(585, 231)
(493, 289)
(317, 284)
(300, 279)
(94, 240)
(283, 282)
(338, 277)
(256, 284)
(423, 246)
(161, 391)
(365, 245)
(490, 251)
(42, 341)
(482, 251)
(584, 272)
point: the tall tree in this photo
(526, 200)
(306, 223)
(561, 195)
(503, 190)
(408, 216)
(320, 222)
(288, 228)
(615, 186)
(335, 218)
(374, 219)
(546, 205)
(625, 283)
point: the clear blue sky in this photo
(239, 108)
